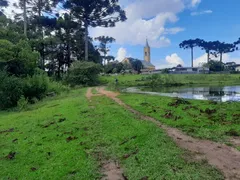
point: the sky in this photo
(166, 23)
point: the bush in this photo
(83, 73)
(36, 86)
(161, 79)
(15, 91)
(19, 59)
(11, 89)
(57, 87)
(22, 103)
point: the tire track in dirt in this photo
(89, 94)
(221, 156)
(111, 170)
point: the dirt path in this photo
(110, 169)
(89, 94)
(223, 157)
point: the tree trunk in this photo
(25, 17)
(39, 16)
(43, 56)
(221, 56)
(105, 55)
(68, 49)
(86, 42)
(59, 70)
(192, 55)
(208, 57)
(41, 33)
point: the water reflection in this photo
(222, 94)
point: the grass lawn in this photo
(202, 119)
(67, 137)
(141, 80)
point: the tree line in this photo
(49, 36)
(58, 29)
(215, 48)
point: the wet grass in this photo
(202, 119)
(68, 137)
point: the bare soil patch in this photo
(112, 171)
(223, 157)
(89, 94)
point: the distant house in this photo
(237, 68)
(189, 70)
(147, 65)
(232, 66)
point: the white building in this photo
(237, 68)
(189, 70)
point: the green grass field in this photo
(202, 119)
(185, 79)
(67, 138)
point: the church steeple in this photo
(147, 45)
(147, 52)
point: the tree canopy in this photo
(94, 13)
(3, 3)
(190, 44)
(104, 49)
(215, 48)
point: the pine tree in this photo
(95, 13)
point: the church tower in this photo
(147, 52)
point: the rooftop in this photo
(145, 63)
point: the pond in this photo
(213, 93)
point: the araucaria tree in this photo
(104, 49)
(190, 44)
(237, 43)
(221, 48)
(208, 47)
(95, 13)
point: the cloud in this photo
(162, 66)
(201, 13)
(174, 30)
(174, 60)
(226, 58)
(121, 54)
(171, 61)
(147, 20)
(11, 9)
(195, 2)
(135, 32)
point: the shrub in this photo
(36, 86)
(11, 89)
(22, 103)
(161, 79)
(15, 91)
(57, 87)
(83, 73)
(18, 59)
